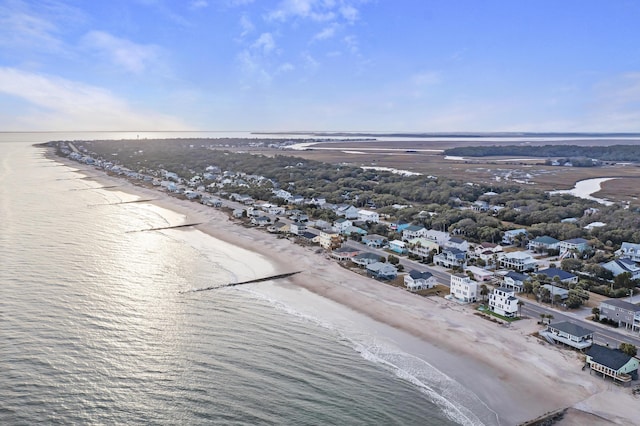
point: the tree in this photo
(624, 281)
(628, 349)
(596, 313)
(393, 259)
(484, 291)
(520, 305)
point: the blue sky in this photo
(378, 65)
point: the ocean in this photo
(95, 327)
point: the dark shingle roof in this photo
(417, 275)
(622, 304)
(552, 272)
(571, 328)
(612, 358)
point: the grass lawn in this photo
(486, 310)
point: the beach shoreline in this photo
(511, 371)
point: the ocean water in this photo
(94, 328)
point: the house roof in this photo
(368, 255)
(622, 304)
(505, 290)
(571, 328)
(517, 276)
(345, 249)
(456, 240)
(308, 235)
(417, 275)
(545, 240)
(576, 241)
(372, 237)
(553, 272)
(612, 358)
(414, 228)
(515, 231)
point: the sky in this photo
(325, 65)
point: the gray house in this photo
(569, 334)
(624, 313)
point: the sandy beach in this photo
(515, 374)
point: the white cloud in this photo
(286, 67)
(130, 56)
(265, 43)
(326, 33)
(426, 78)
(315, 10)
(198, 4)
(59, 104)
(352, 43)
(246, 25)
(25, 27)
(349, 13)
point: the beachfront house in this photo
(570, 334)
(329, 240)
(629, 251)
(364, 259)
(260, 221)
(451, 258)
(398, 246)
(297, 228)
(382, 270)
(463, 288)
(620, 266)
(503, 302)
(612, 363)
(626, 314)
(374, 240)
(344, 253)
(511, 236)
(518, 261)
(416, 280)
(565, 277)
(413, 231)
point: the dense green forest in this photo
(602, 153)
(433, 202)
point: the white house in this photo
(451, 258)
(509, 237)
(463, 288)
(629, 251)
(413, 231)
(416, 280)
(342, 224)
(503, 302)
(518, 261)
(577, 244)
(347, 211)
(297, 228)
(514, 280)
(620, 266)
(459, 243)
(398, 246)
(368, 216)
(438, 236)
